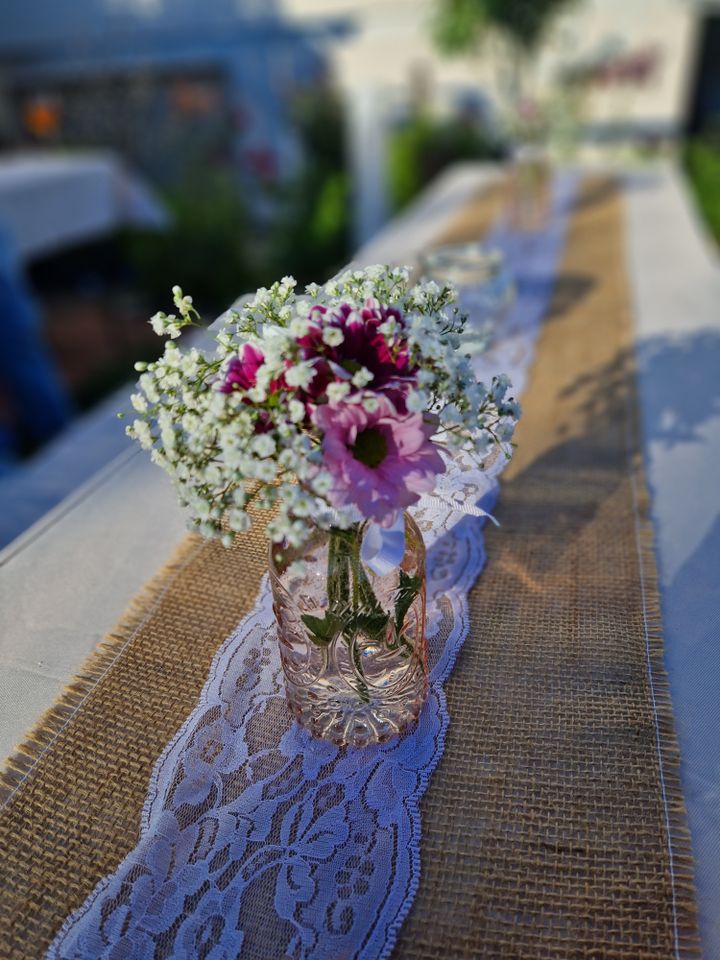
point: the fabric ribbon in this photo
(384, 547)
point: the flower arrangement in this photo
(339, 403)
(334, 410)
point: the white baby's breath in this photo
(300, 375)
(296, 409)
(337, 391)
(332, 336)
(362, 377)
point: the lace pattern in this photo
(258, 840)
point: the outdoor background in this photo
(231, 142)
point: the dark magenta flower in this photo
(241, 372)
(362, 346)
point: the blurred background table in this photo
(52, 203)
(50, 200)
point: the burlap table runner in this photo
(554, 825)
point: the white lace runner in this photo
(258, 841)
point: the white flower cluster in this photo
(170, 325)
(236, 440)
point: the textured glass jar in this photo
(485, 288)
(352, 642)
(529, 186)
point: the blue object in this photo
(40, 402)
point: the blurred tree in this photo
(311, 233)
(459, 24)
(219, 245)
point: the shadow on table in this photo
(681, 386)
(679, 396)
(552, 724)
(569, 290)
(583, 463)
(681, 406)
(606, 188)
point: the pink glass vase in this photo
(352, 642)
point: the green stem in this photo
(346, 596)
(361, 686)
(353, 604)
(338, 572)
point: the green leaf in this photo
(323, 629)
(407, 591)
(372, 623)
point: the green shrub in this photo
(311, 234)
(218, 247)
(702, 163)
(207, 248)
(424, 146)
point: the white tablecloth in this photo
(675, 274)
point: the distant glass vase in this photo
(485, 287)
(352, 642)
(529, 193)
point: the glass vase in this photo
(352, 642)
(485, 288)
(529, 187)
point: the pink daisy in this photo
(381, 461)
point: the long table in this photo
(69, 578)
